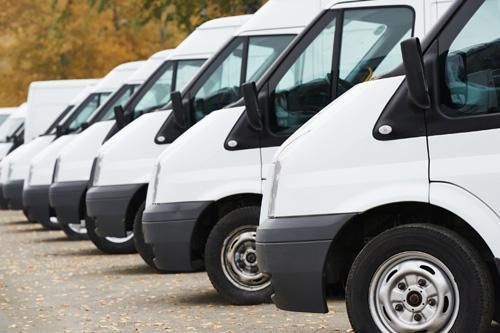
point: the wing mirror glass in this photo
(253, 112)
(416, 81)
(120, 118)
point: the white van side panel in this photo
(18, 161)
(77, 156)
(129, 156)
(42, 165)
(182, 177)
(471, 209)
(322, 175)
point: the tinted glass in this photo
(472, 65)
(119, 99)
(186, 70)
(158, 94)
(86, 110)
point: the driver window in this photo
(306, 87)
(87, 110)
(222, 87)
(371, 43)
(472, 65)
(158, 94)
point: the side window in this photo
(371, 43)
(222, 87)
(186, 70)
(87, 110)
(158, 93)
(472, 65)
(124, 95)
(262, 52)
(306, 87)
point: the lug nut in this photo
(422, 283)
(401, 286)
(432, 302)
(417, 317)
(398, 307)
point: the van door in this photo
(345, 47)
(464, 123)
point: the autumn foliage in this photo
(50, 39)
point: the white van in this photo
(35, 193)
(82, 146)
(11, 137)
(394, 188)
(74, 168)
(204, 199)
(8, 129)
(47, 100)
(137, 138)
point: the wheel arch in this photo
(135, 202)
(213, 213)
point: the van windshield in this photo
(85, 111)
(119, 98)
(222, 87)
(9, 128)
(173, 75)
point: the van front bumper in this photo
(13, 193)
(108, 206)
(293, 250)
(66, 199)
(36, 203)
(168, 228)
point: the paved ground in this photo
(50, 284)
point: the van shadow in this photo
(202, 298)
(24, 222)
(131, 270)
(78, 253)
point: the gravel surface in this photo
(51, 284)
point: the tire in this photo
(145, 250)
(234, 228)
(424, 254)
(26, 215)
(49, 225)
(72, 234)
(109, 245)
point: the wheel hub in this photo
(240, 262)
(413, 292)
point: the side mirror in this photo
(413, 62)
(59, 130)
(120, 119)
(84, 126)
(178, 109)
(251, 98)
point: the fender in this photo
(471, 209)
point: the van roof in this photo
(278, 16)
(59, 83)
(208, 38)
(117, 77)
(149, 67)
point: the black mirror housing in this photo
(59, 130)
(253, 113)
(120, 119)
(84, 126)
(416, 81)
(178, 109)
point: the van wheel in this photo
(110, 245)
(75, 231)
(419, 278)
(231, 259)
(50, 224)
(145, 250)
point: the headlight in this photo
(97, 170)
(55, 175)
(274, 189)
(156, 181)
(9, 171)
(30, 173)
